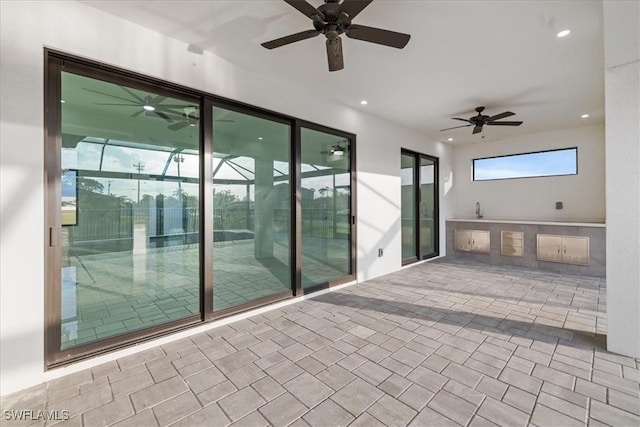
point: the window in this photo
(544, 163)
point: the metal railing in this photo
(111, 224)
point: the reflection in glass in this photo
(427, 207)
(326, 201)
(251, 255)
(408, 207)
(131, 260)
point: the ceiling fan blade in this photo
(120, 105)
(354, 7)
(457, 118)
(378, 35)
(158, 99)
(170, 105)
(109, 95)
(178, 125)
(290, 39)
(504, 123)
(137, 113)
(305, 8)
(501, 116)
(456, 127)
(163, 115)
(477, 129)
(132, 93)
(334, 54)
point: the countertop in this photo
(508, 221)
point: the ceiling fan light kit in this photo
(333, 19)
(480, 120)
(337, 151)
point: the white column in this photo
(622, 106)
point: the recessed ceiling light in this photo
(149, 107)
(563, 33)
(260, 138)
(584, 116)
(62, 101)
(192, 125)
(450, 139)
(364, 102)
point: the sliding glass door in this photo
(325, 197)
(128, 210)
(428, 198)
(167, 207)
(251, 209)
(419, 206)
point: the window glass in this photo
(544, 163)
(251, 209)
(129, 253)
(325, 202)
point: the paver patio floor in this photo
(444, 343)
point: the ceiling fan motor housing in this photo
(332, 19)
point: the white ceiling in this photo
(503, 55)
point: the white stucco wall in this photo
(27, 27)
(583, 195)
(622, 104)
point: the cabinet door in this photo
(480, 241)
(463, 240)
(511, 243)
(575, 250)
(549, 248)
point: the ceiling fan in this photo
(190, 117)
(333, 19)
(479, 120)
(337, 149)
(150, 106)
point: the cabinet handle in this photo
(558, 248)
(565, 249)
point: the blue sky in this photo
(561, 162)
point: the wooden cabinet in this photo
(478, 241)
(564, 249)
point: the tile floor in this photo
(445, 343)
(111, 293)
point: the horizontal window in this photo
(527, 165)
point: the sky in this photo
(86, 156)
(559, 162)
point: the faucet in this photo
(478, 214)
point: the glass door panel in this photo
(252, 208)
(326, 207)
(408, 205)
(419, 206)
(130, 210)
(427, 207)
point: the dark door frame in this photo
(54, 63)
(417, 202)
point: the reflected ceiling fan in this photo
(190, 117)
(480, 120)
(150, 106)
(337, 149)
(333, 19)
